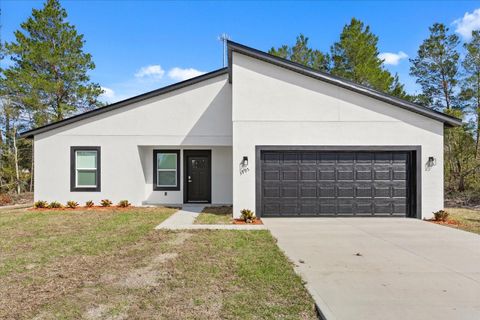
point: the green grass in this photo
(101, 264)
(215, 215)
(468, 219)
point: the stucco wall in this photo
(276, 106)
(194, 117)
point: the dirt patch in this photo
(180, 238)
(149, 275)
(102, 312)
(226, 210)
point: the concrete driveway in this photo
(384, 268)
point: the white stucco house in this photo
(264, 134)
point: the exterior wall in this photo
(194, 117)
(275, 106)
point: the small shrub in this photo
(124, 204)
(40, 204)
(55, 205)
(106, 203)
(89, 204)
(441, 215)
(5, 199)
(72, 204)
(247, 215)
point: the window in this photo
(85, 169)
(166, 172)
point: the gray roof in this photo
(344, 83)
(233, 46)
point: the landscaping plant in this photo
(40, 204)
(441, 215)
(247, 215)
(106, 203)
(55, 205)
(72, 204)
(89, 204)
(124, 204)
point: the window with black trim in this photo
(85, 169)
(166, 169)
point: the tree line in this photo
(45, 78)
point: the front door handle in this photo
(189, 179)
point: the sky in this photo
(139, 46)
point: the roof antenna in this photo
(224, 38)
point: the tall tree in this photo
(355, 57)
(470, 85)
(48, 80)
(301, 53)
(436, 68)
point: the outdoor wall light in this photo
(432, 161)
(245, 161)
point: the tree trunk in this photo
(31, 170)
(461, 183)
(15, 154)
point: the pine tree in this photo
(355, 57)
(302, 54)
(436, 68)
(470, 84)
(48, 80)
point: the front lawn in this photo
(113, 264)
(467, 219)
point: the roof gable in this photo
(344, 83)
(123, 103)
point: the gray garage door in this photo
(319, 183)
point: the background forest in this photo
(46, 80)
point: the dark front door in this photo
(197, 175)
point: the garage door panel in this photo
(345, 173)
(326, 183)
(271, 192)
(327, 190)
(308, 191)
(345, 191)
(271, 175)
(308, 174)
(290, 191)
(289, 175)
(308, 158)
(363, 173)
(327, 207)
(309, 208)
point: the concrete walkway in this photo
(385, 269)
(184, 220)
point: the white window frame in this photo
(77, 169)
(159, 170)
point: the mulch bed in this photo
(239, 221)
(448, 222)
(94, 208)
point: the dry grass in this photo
(467, 219)
(113, 265)
(215, 215)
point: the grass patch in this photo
(215, 215)
(97, 265)
(467, 219)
